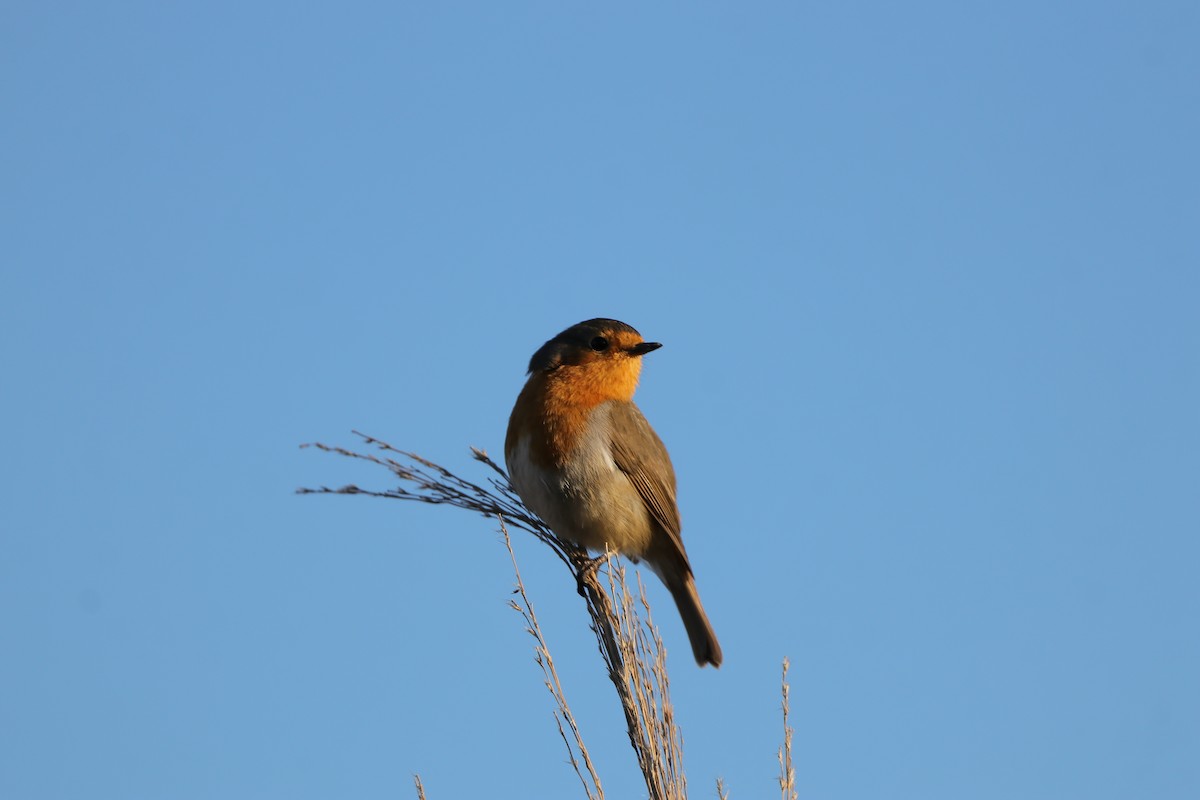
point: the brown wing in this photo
(641, 455)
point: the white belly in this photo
(590, 502)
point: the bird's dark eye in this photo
(599, 344)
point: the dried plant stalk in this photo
(787, 774)
(631, 648)
(563, 713)
(643, 672)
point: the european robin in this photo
(584, 459)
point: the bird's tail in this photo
(699, 630)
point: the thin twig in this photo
(546, 662)
(787, 776)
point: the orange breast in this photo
(554, 407)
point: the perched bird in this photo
(584, 459)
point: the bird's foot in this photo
(588, 570)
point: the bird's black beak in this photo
(644, 347)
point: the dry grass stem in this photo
(420, 787)
(434, 484)
(631, 649)
(722, 791)
(787, 775)
(591, 784)
(644, 673)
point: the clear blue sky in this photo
(928, 279)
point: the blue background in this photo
(927, 279)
